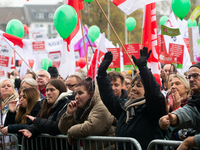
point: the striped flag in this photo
(129, 6)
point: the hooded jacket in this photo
(50, 125)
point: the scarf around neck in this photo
(131, 105)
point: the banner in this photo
(38, 38)
(194, 43)
(54, 47)
(6, 54)
(169, 31)
(115, 64)
(132, 49)
(195, 13)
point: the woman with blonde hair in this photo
(179, 92)
(8, 93)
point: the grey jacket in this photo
(189, 117)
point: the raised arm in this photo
(155, 100)
(111, 101)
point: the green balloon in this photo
(191, 24)
(44, 63)
(181, 7)
(198, 41)
(88, 1)
(130, 23)
(65, 20)
(93, 33)
(199, 26)
(15, 27)
(163, 20)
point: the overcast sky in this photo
(22, 2)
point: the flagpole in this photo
(116, 34)
(18, 54)
(83, 39)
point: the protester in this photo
(7, 93)
(187, 116)
(138, 117)
(179, 92)
(127, 82)
(166, 70)
(30, 74)
(42, 78)
(54, 105)
(31, 83)
(87, 115)
(16, 118)
(117, 81)
(81, 73)
(53, 72)
(71, 82)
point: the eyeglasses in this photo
(70, 86)
(41, 76)
(194, 76)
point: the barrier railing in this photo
(59, 142)
(9, 142)
(154, 145)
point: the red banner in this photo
(132, 49)
(116, 57)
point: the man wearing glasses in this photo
(189, 115)
(42, 78)
(71, 81)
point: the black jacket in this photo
(144, 125)
(10, 119)
(50, 125)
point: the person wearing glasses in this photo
(138, 117)
(42, 78)
(71, 81)
(187, 116)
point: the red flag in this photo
(97, 58)
(77, 5)
(150, 37)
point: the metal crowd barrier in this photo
(59, 142)
(154, 145)
(9, 142)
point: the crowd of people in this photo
(118, 104)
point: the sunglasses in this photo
(70, 86)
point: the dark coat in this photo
(10, 119)
(144, 124)
(50, 125)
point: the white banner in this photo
(6, 54)
(38, 38)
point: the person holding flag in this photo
(138, 115)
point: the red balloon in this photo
(81, 62)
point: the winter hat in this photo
(196, 65)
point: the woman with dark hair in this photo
(54, 105)
(137, 116)
(87, 115)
